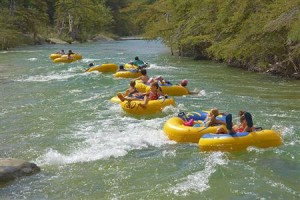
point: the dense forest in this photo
(260, 35)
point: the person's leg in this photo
(249, 120)
(229, 123)
(120, 96)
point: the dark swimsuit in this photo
(131, 94)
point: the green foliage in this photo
(20, 18)
(82, 17)
(252, 33)
(259, 33)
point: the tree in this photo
(76, 19)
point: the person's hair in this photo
(241, 112)
(155, 84)
(132, 83)
(143, 71)
(121, 67)
(136, 58)
(242, 118)
(214, 112)
(91, 64)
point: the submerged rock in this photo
(11, 168)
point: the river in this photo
(62, 119)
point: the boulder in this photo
(11, 168)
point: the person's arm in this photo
(138, 78)
(189, 92)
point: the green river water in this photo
(62, 119)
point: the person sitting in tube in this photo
(212, 120)
(154, 94)
(70, 52)
(158, 79)
(246, 124)
(121, 68)
(184, 83)
(131, 93)
(62, 52)
(144, 78)
(90, 66)
(137, 62)
(69, 56)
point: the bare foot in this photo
(121, 97)
(142, 105)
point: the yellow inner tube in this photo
(127, 74)
(55, 55)
(75, 56)
(240, 141)
(178, 132)
(109, 67)
(171, 90)
(63, 60)
(153, 106)
(115, 99)
(128, 66)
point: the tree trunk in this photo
(12, 6)
(71, 27)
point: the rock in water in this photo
(11, 168)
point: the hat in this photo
(184, 82)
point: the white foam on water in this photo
(96, 96)
(288, 134)
(32, 59)
(161, 68)
(19, 51)
(106, 138)
(88, 60)
(199, 181)
(62, 76)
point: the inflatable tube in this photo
(141, 87)
(128, 74)
(168, 89)
(110, 67)
(153, 106)
(74, 56)
(128, 66)
(115, 99)
(174, 90)
(63, 60)
(177, 131)
(54, 56)
(240, 141)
